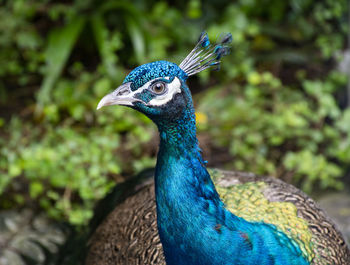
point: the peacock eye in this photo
(158, 87)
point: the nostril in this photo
(122, 92)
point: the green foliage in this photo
(63, 163)
(272, 125)
(62, 166)
(281, 130)
(59, 47)
(275, 110)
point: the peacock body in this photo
(242, 219)
(128, 235)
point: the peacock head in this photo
(159, 89)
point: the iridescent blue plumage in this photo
(146, 72)
(194, 226)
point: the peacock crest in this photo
(205, 55)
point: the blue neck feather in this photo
(194, 226)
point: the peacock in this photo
(194, 215)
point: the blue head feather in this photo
(147, 72)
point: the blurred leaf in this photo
(35, 189)
(101, 34)
(194, 9)
(59, 47)
(137, 38)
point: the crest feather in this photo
(205, 55)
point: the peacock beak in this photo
(123, 95)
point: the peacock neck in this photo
(184, 190)
(193, 224)
(179, 163)
(179, 149)
(179, 134)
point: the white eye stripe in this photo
(173, 88)
(146, 86)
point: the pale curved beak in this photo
(123, 95)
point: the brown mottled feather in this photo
(129, 234)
